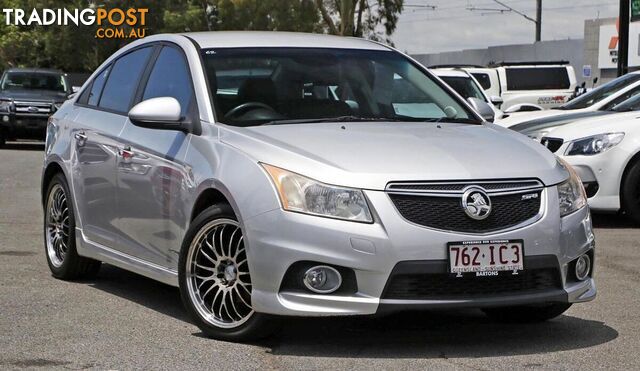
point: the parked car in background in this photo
(485, 76)
(537, 129)
(28, 96)
(467, 86)
(605, 152)
(602, 99)
(342, 179)
(535, 85)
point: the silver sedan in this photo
(283, 174)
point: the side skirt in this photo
(108, 255)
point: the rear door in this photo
(153, 182)
(99, 119)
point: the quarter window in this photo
(170, 78)
(96, 87)
(123, 80)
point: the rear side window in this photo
(483, 79)
(123, 80)
(170, 78)
(547, 78)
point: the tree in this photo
(77, 49)
(361, 18)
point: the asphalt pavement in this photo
(124, 321)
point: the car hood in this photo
(520, 117)
(616, 122)
(34, 95)
(540, 124)
(369, 155)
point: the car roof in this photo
(34, 70)
(449, 72)
(244, 39)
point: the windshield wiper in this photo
(331, 119)
(370, 119)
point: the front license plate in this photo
(486, 256)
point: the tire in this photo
(526, 314)
(215, 282)
(630, 192)
(59, 235)
(3, 138)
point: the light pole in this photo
(623, 38)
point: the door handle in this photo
(81, 137)
(126, 154)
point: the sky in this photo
(451, 26)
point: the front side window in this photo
(537, 78)
(280, 85)
(483, 79)
(123, 80)
(34, 81)
(170, 78)
(601, 92)
(464, 86)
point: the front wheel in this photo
(526, 314)
(215, 282)
(631, 192)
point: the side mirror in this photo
(159, 113)
(497, 100)
(482, 108)
(75, 89)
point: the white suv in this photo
(546, 85)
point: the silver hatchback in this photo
(283, 174)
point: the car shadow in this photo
(24, 146)
(612, 220)
(453, 334)
(437, 334)
(141, 290)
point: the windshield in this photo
(34, 81)
(464, 86)
(297, 85)
(631, 104)
(601, 92)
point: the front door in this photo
(153, 182)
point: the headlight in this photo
(300, 194)
(571, 193)
(594, 144)
(5, 105)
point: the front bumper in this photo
(601, 174)
(277, 239)
(23, 126)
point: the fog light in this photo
(583, 267)
(5, 118)
(322, 279)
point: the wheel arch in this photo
(208, 197)
(632, 161)
(50, 171)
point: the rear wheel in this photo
(215, 282)
(59, 235)
(630, 194)
(526, 314)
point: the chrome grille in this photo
(33, 108)
(438, 205)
